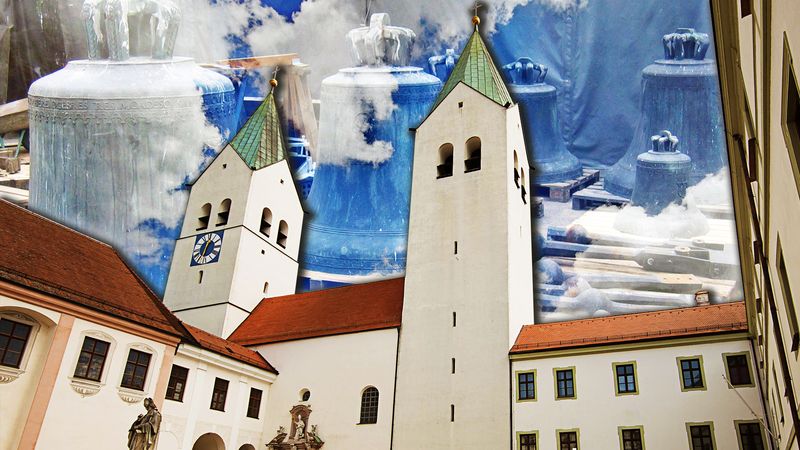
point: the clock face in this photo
(206, 248)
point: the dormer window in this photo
(445, 167)
(224, 212)
(283, 233)
(472, 156)
(266, 222)
(205, 215)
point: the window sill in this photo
(129, 395)
(84, 387)
(367, 423)
(9, 374)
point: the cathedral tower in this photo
(468, 286)
(241, 232)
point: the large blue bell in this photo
(679, 93)
(546, 150)
(662, 175)
(360, 197)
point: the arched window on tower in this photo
(224, 212)
(283, 233)
(445, 167)
(205, 215)
(266, 222)
(524, 191)
(516, 169)
(472, 154)
(369, 405)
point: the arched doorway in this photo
(209, 441)
(247, 447)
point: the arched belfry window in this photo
(266, 222)
(369, 405)
(524, 191)
(283, 233)
(516, 169)
(224, 212)
(472, 154)
(445, 167)
(204, 216)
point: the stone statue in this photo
(155, 27)
(143, 433)
(300, 428)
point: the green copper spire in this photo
(476, 69)
(260, 141)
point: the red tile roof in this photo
(673, 323)
(349, 309)
(227, 348)
(43, 255)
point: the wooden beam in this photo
(260, 61)
(14, 116)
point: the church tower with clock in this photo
(241, 233)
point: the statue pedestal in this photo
(113, 143)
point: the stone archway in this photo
(209, 441)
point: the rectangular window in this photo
(177, 383)
(625, 374)
(527, 441)
(631, 439)
(738, 366)
(92, 359)
(565, 383)
(219, 394)
(691, 373)
(701, 437)
(526, 386)
(788, 300)
(13, 340)
(568, 440)
(750, 437)
(790, 111)
(254, 405)
(136, 370)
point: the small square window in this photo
(701, 436)
(691, 373)
(526, 385)
(750, 437)
(631, 438)
(528, 441)
(568, 440)
(738, 366)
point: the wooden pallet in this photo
(562, 192)
(595, 196)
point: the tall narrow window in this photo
(568, 440)
(523, 190)
(516, 169)
(631, 438)
(790, 112)
(565, 383)
(177, 383)
(625, 374)
(283, 233)
(200, 277)
(750, 436)
(254, 404)
(224, 212)
(527, 441)
(445, 167)
(452, 365)
(92, 359)
(266, 287)
(13, 340)
(788, 300)
(204, 217)
(369, 406)
(526, 385)
(454, 319)
(266, 222)
(691, 373)
(701, 437)
(136, 370)
(219, 394)
(452, 413)
(472, 157)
